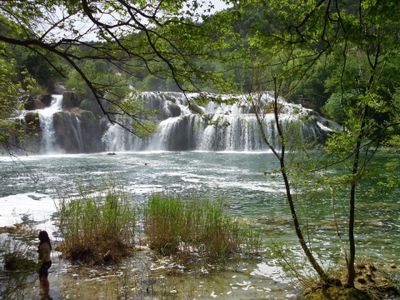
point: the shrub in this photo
(173, 224)
(97, 229)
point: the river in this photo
(31, 185)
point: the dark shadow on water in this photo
(44, 289)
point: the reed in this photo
(173, 224)
(97, 229)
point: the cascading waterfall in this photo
(78, 133)
(48, 136)
(118, 139)
(207, 122)
(231, 126)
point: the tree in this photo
(14, 84)
(360, 38)
(119, 32)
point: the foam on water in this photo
(272, 271)
(35, 206)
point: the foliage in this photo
(350, 48)
(173, 225)
(14, 84)
(341, 54)
(97, 229)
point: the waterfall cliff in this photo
(57, 124)
(209, 122)
(221, 123)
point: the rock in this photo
(32, 118)
(70, 100)
(26, 132)
(175, 110)
(59, 88)
(33, 103)
(32, 122)
(194, 107)
(78, 131)
(361, 280)
(45, 99)
(38, 102)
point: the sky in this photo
(83, 27)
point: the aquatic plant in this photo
(174, 224)
(97, 229)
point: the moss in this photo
(336, 293)
(371, 282)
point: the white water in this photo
(48, 140)
(230, 127)
(195, 122)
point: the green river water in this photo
(238, 179)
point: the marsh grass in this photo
(97, 229)
(173, 224)
(17, 255)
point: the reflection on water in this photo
(44, 289)
(239, 179)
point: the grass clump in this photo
(97, 229)
(17, 256)
(18, 261)
(199, 226)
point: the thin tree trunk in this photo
(281, 157)
(352, 201)
(297, 228)
(352, 204)
(350, 265)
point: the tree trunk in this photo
(281, 157)
(350, 265)
(352, 205)
(297, 228)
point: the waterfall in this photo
(194, 121)
(48, 136)
(78, 134)
(217, 123)
(117, 138)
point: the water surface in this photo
(31, 185)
